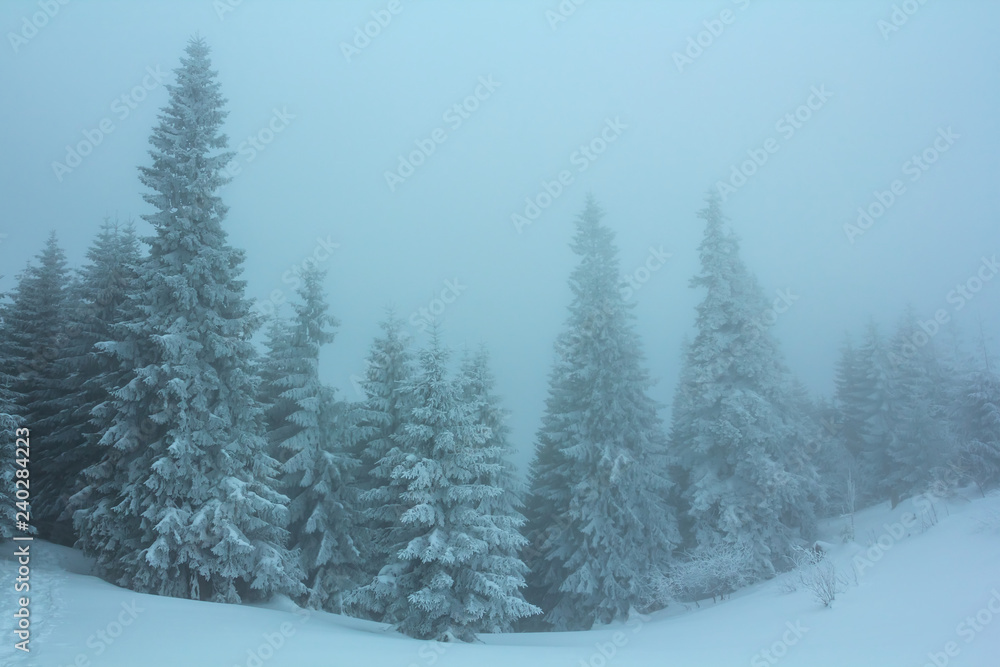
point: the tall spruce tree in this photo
(922, 442)
(747, 479)
(978, 412)
(192, 511)
(279, 365)
(498, 576)
(835, 465)
(378, 423)
(851, 414)
(598, 521)
(290, 369)
(100, 301)
(39, 331)
(683, 401)
(852, 399)
(312, 446)
(807, 444)
(882, 413)
(8, 423)
(441, 580)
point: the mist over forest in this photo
(492, 318)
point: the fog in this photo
(828, 106)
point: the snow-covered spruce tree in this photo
(290, 368)
(740, 450)
(882, 414)
(808, 444)
(836, 466)
(598, 521)
(437, 583)
(979, 414)
(192, 511)
(852, 398)
(852, 410)
(39, 331)
(921, 444)
(498, 577)
(683, 401)
(378, 423)
(99, 300)
(9, 421)
(316, 468)
(326, 513)
(276, 369)
(109, 301)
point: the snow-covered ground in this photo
(926, 593)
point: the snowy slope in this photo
(914, 596)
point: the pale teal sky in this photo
(671, 131)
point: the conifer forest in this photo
(581, 333)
